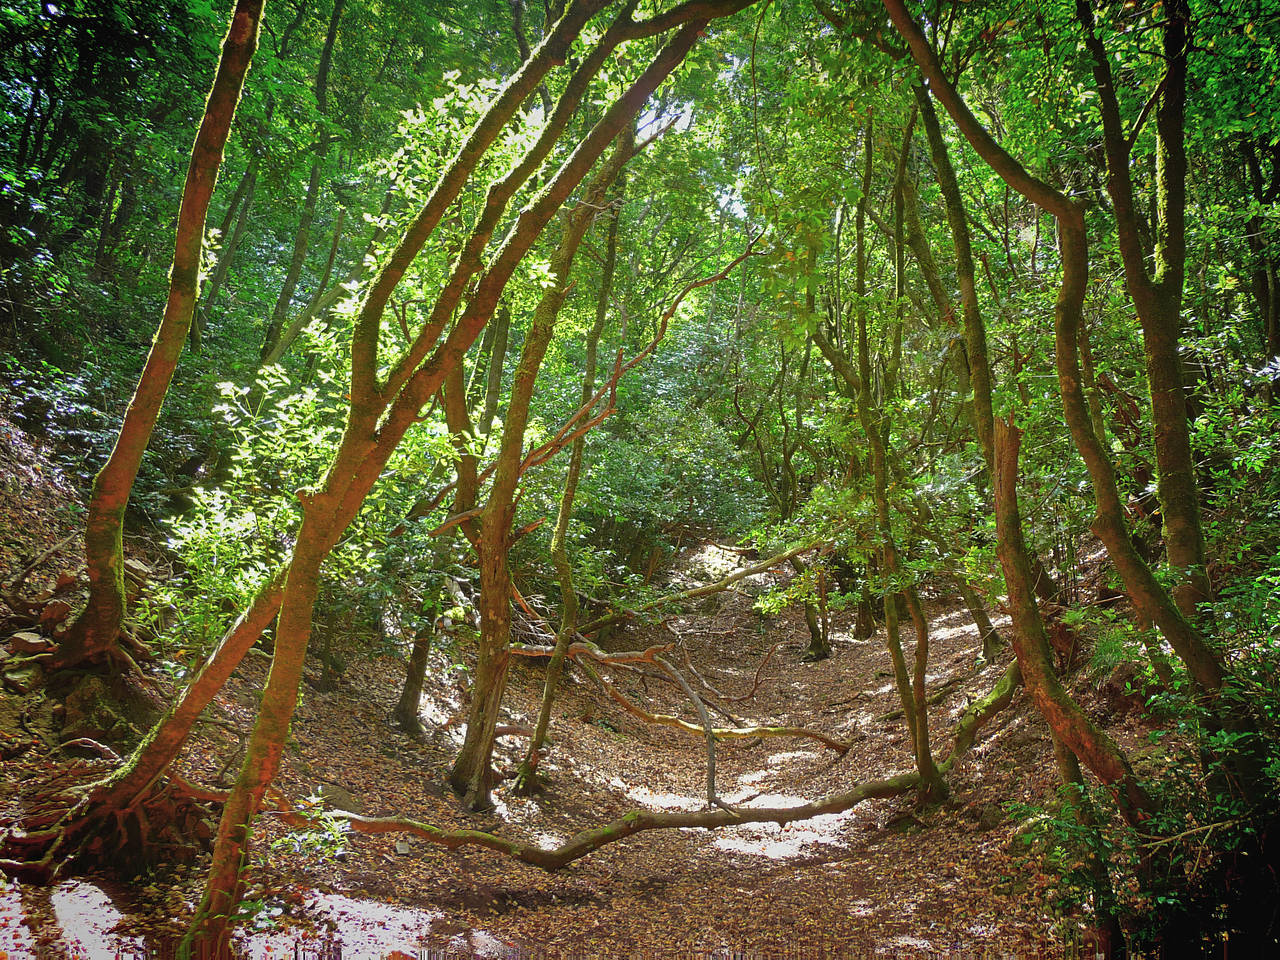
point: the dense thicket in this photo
(900, 293)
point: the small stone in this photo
(338, 798)
(402, 847)
(28, 642)
(23, 679)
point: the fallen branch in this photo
(635, 821)
(720, 733)
(87, 743)
(580, 652)
(688, 662)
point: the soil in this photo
(885, 878)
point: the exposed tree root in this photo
(71, 820)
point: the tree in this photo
(96, 632)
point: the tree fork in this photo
(364, 451)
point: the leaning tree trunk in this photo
(376, 425)
(96, 631)
(875, 429)
(527, 777)
(1000, 440)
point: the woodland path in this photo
(878, 879)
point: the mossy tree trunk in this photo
(999, 438)
(96, 631)
(528, 779)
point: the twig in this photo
(17, 581)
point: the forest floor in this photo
(882, 879)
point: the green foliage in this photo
(323, 839)
(1196, 866)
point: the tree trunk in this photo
(96, 632)
(406, 711)
(303, 238)
(528, 780)
(470, 776)
(1158, 298)
(1000, 440)
(876, 430)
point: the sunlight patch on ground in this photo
(86, 915)
(957, 616)
(948, 633)
(781, 841)
(862, 908)
(751, 779)
(658, 801)
(15, 938)
(777, 759)
(370, 928)
(437, 710)
(708, 563)
(548, 841)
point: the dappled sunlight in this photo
(655, 800)
(782, 841)
(85, 915)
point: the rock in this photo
(137, 571)
(403, 847)
(1123, 690)
(23, 678)
(28, 643)
(338, 798)
(92, 712)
